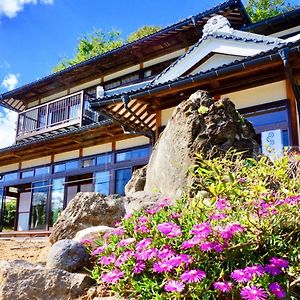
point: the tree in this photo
(99, 42)
(262, 9)
(93, 44)
(142, 32)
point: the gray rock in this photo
(92, 233)
(67, 255)
(137, 181)
(140, 200)
(198, 125)
(86, 210)
(22, 280)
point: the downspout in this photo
(126, 100)
(284, 54)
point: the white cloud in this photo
(11, 8)
(10, 81)
(8, 124)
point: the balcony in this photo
(65, 112)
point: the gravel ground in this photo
(34, 250)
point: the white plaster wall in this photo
(85, 85)
(133, 142)
(66, 155)
(97, 149)
(9, 168)
(215, 61)
(166, 115)
(163, 58)
(54, 96)
(294, 30)
(36, 162)
(259, 95)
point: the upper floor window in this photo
(131, 154)
(66, 166)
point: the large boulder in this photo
(86, 210)
(22, 280)
(198, 125)
(137, 181)
(67, 255)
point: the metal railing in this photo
(53, 115)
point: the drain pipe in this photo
(126, 99)
(284, 54)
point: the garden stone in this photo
(22, 280)
(67, 255)
(137, 181)
(86, 210)
(198, 125)
(92, 233)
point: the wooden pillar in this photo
(157, 124)
(293, 114)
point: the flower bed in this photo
(237, 238)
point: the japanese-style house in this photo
(87, 128)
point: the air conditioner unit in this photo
(99, 91)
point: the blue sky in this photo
(36, 34)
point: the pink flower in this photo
(165, 253)
(174, 286)
(241, 275)
(99, 250)
(112, 277)
(139, 267)
(86, 242)
(107, 260)
(253, 293)
(193, 276)
(163, 202)
(125, 256)
(191, 242)
(146, 254)
(222, 204)
(143, 244)
(279, 262)
(169, 229)
(209, 246)
(118, 231)
(141, 228)
(273, 269)
(128, 216)
(277, 290)
(126, 242)
(162, 266)
(256, 270)
(218, 216)
(202, 229)
(223, 286)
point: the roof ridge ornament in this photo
(216, 23)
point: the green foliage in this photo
(91, 45)
(244, 214)
(259, 10)
(142, 32)
(9, 214)
(99, 42)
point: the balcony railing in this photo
(56, 114)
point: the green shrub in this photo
(237, 238)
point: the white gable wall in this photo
(212, 45)
(215, 61)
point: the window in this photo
(102, 182)
(270, 119)
(42, 171)
(11, 176)
(27, 174)
(57, 198)
(38, 205)
(88, 162)
(133, 154)
(66, 166)
(104, 159)
(122, 177)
